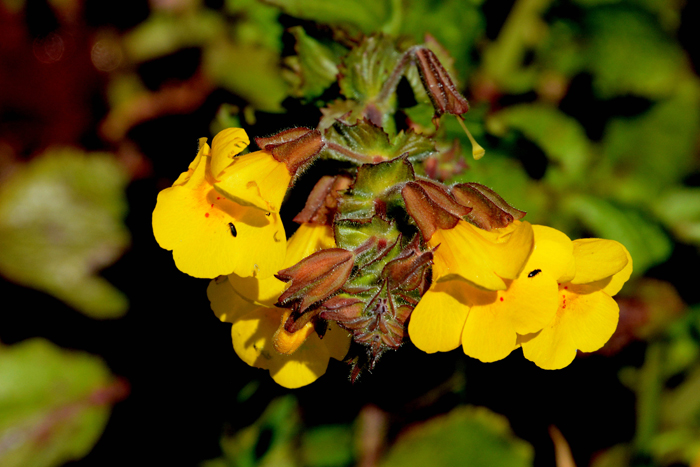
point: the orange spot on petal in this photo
(206, 214)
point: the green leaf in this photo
(270, 442)
(61, 221)
(327, 446)
(54, 404)
(252, 72)
(656, 148)
(679, 209)
(316, 65)
(164, 33)
(630, 54)
(645, 240)
(467, 436)
(365, 15)
(561, 137)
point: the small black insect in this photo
(233, 229)
(534, 273)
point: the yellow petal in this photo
(597, 259)
(252, 336)
(584, 321)
(437, 321)
(553, 253)
(495, 318)
(211, 235)
(308, 239)
(225, 302)
(201, 155)
(619, 279)
(485, 336)
(468, 253)
(225, 145)
(288, 342)
(255, 179)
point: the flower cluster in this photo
(382, 252)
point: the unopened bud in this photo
(439, 85)
(428, 212)
(295, 147)
(489, 210)
(315, 278)
(322, 203)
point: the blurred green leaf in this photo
(467, 436)
(679, 209)
(270, 442)
(561, 137)
(315, 64)
(54, 403)
(644, 239)
(249, 71)
(61, 220)
(365, 15)
(655, 149)
(327, 446)
(630, 54)
(165, 32)
(255, 24)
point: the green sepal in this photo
(366, 142)
(377, 190)
(367, 67)
(375, 237)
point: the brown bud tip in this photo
(315, 278)
(410, 270)
(295, 147)
(438, 84)
(322, 203)
(428, 215)
(489, 210)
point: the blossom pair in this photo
(552, 300)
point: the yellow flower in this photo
(484, 258)
(214, 228)
(487, 322)
(587, 315)
(259, 339)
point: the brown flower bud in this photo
(438, 84)
(489, 210)
(430, 212)
(295, 147)
(315, 278)
(322, 203)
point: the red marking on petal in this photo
(501, 298)
(212, 204)
(218, 197)
(206, 214)
(566, 287)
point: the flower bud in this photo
(315, 278)
(489, 210)
(431, 208)
(322, 203)
(295, 147)
(438, 84)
